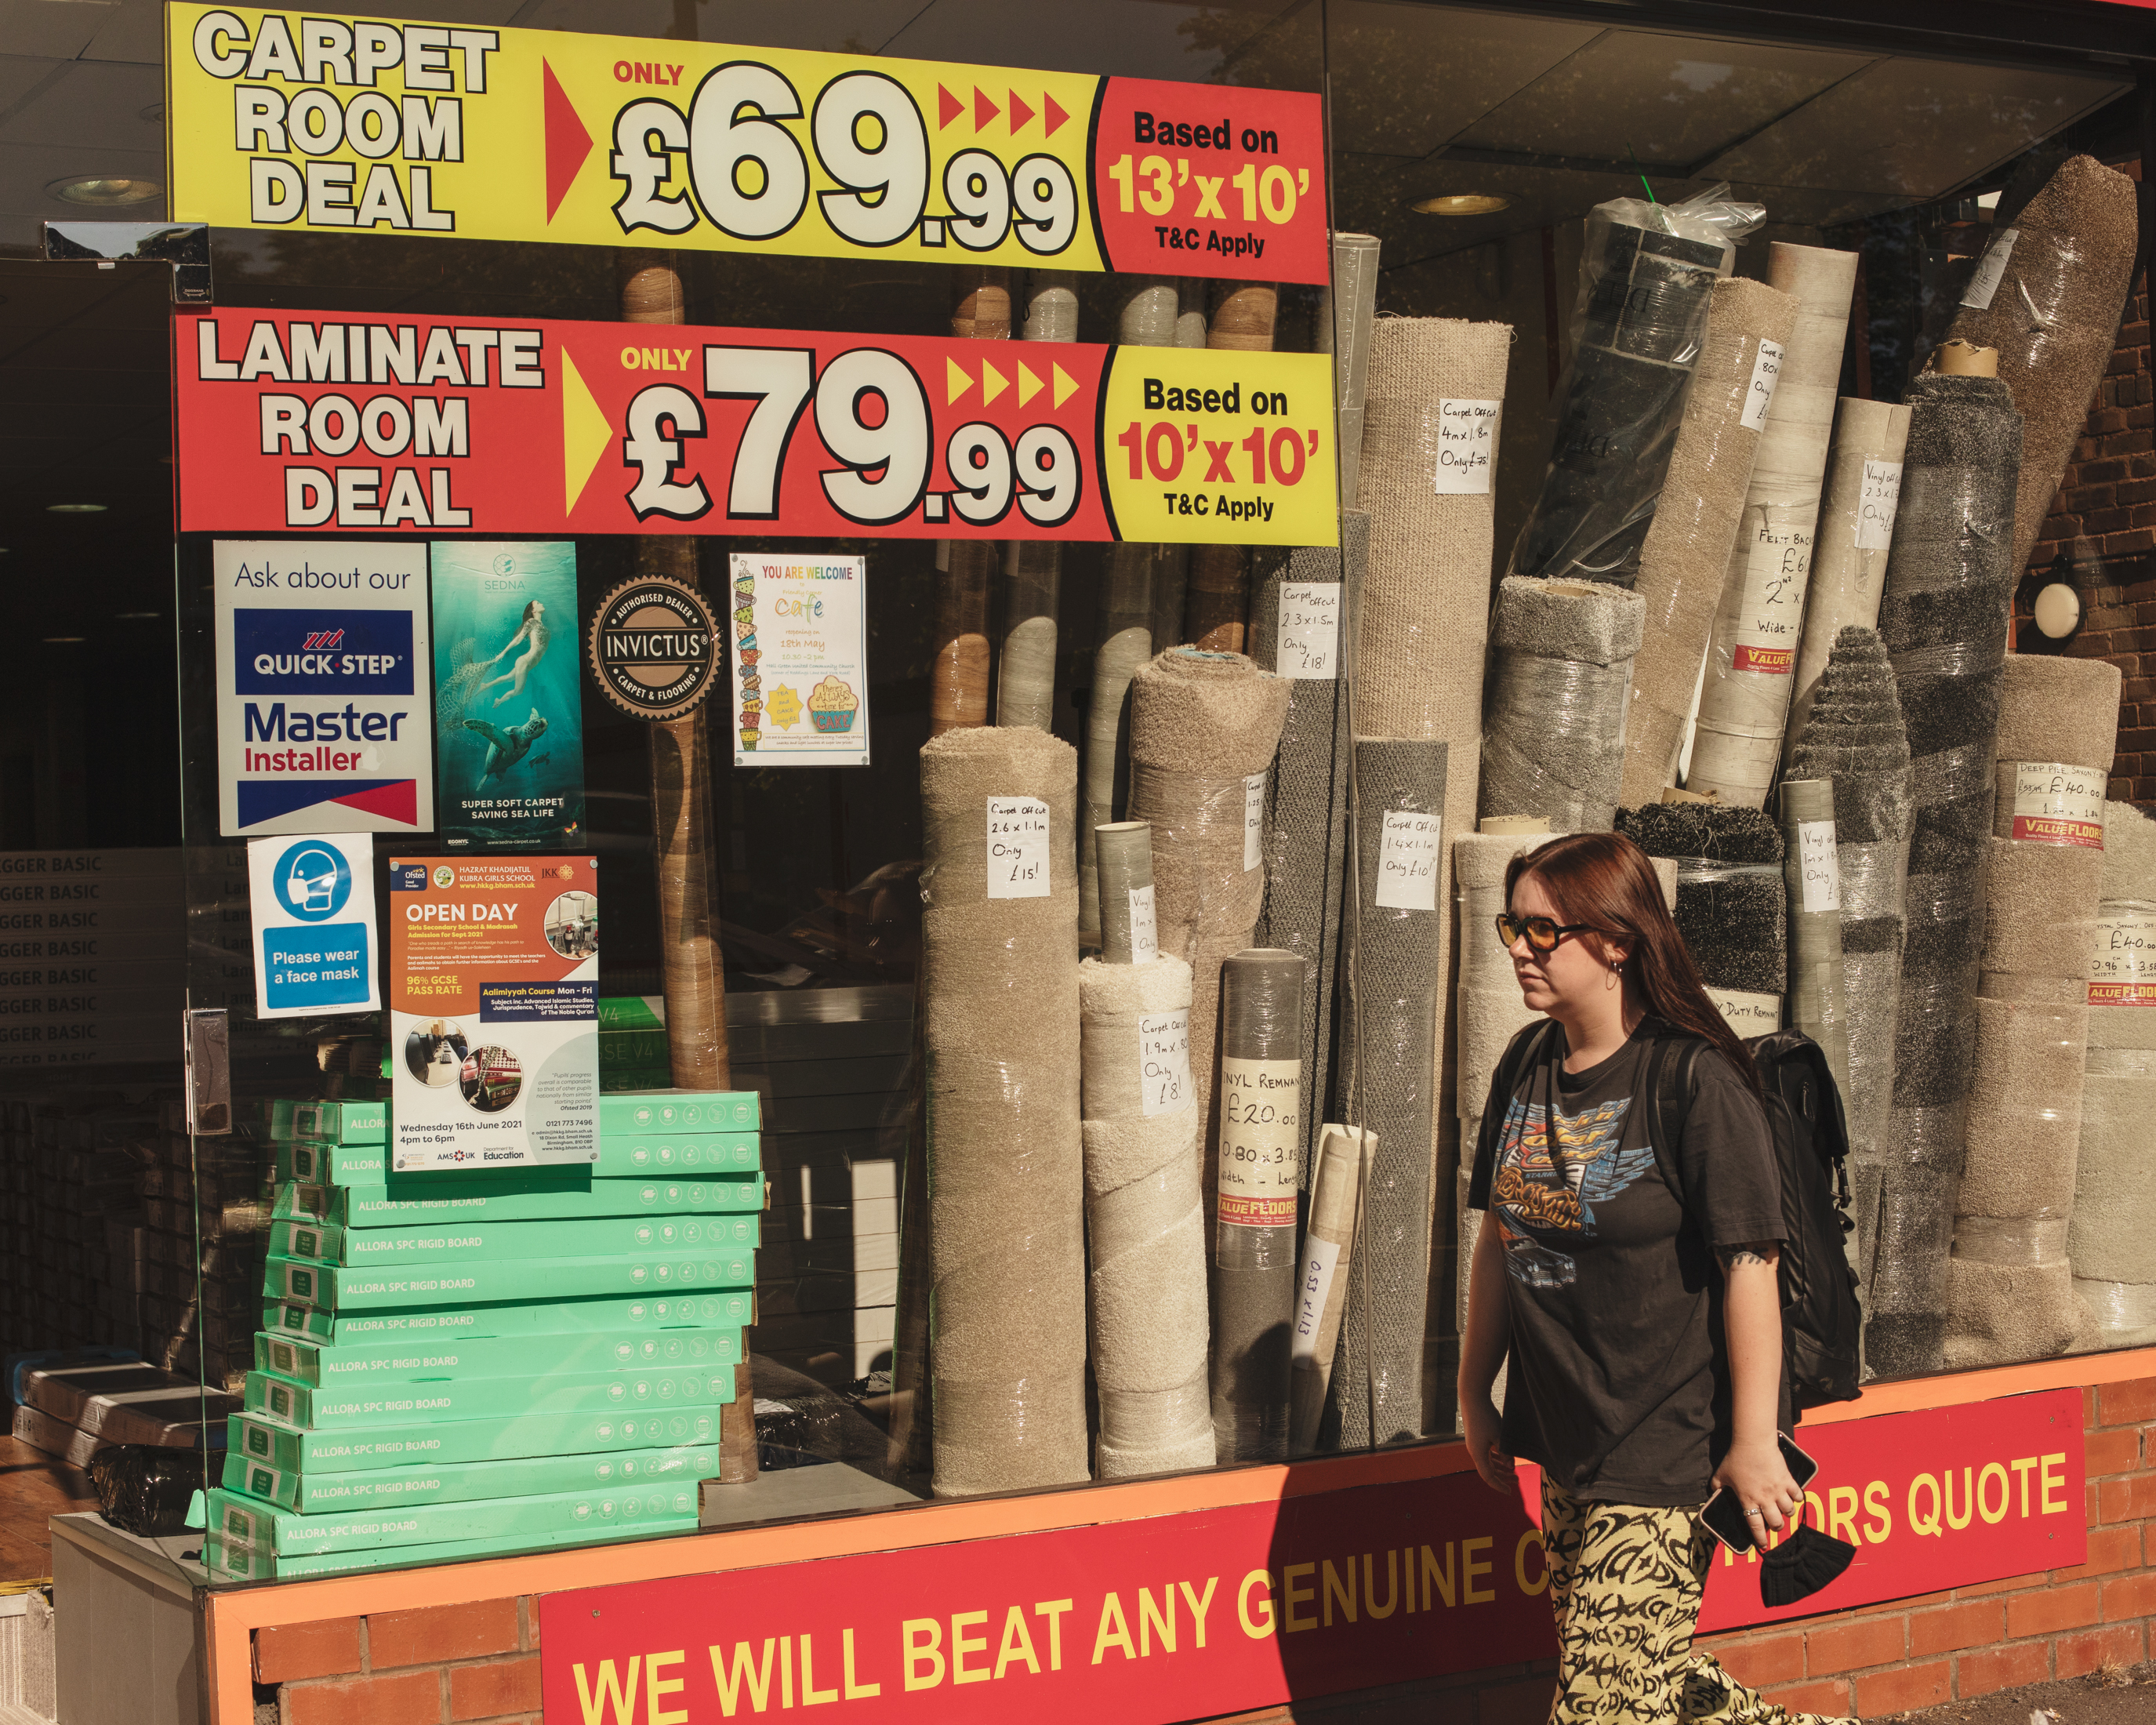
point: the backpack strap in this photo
(1669, 1086)
(1525, 1049)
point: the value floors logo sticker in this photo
(322, 689)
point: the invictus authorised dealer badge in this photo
(651, 648)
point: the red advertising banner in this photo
(1187, 1616)
(299, 421)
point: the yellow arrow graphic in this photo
(956, 383)
(1067, 386)
(992, 382)
(585, 433)
(1029, 386)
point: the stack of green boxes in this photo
(455, 1365)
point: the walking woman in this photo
(1630, 1285)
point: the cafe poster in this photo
(494, 1048)
(800, 660)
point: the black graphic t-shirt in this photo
(1619, 1381)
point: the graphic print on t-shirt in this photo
(1543, 1190)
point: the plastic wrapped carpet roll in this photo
(1257, 1149)
(1856, 527)
(960, 672)
(1490, 1010)
(2114, 1200)
(1305, 831)
(1025, 666)
(1622, 398)
(1147, 316)
(1696, 523)
(1731, 908)
(1052, 305)
(2010, 1283)
(1854, 735)
(2051, 288)
(1145, 1220)
(1203, 730)
(1191, 294)
(1388, 1047)
(1243, 314)
(1811, 876)
(1561, 657)
(999, 985)
(1942, 617)
(1128, 934)
(1751, 665)
(1326, 1265)
(1343, 330)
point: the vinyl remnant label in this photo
(1260, 1136)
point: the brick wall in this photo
(478, 1662)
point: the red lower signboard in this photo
(1186, 1616)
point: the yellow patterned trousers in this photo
(1625, 1583)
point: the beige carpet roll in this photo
(1687, 548)
(963, 665)
(1025, 662)
(1328, 1262)
(2047, 295)
(1203, 730)
(1751, 666)
(1560, 678)
(1000, 1031)
(1145, 1223)
(1855, 532)
(1127, 598)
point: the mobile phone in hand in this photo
(1724, 1516)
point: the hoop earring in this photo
(1616, 976)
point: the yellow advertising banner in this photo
(338, 125)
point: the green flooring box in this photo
(333, 1407)
(232, 1560)
(375, 1288)
(318, 1163)
(342, 1364)
(631, 1153)
(679, 1111)
(513, 1520)
(342, 1122)
(460, 1482)
(473, 1240)
(516, 1317)
(542, 1196)
(428, 1443)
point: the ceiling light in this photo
(105, 191)
(74, 509)
(1463, 203)
(136, 616)
(65, 640)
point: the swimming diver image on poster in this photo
(509, 732)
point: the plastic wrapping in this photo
(1005, 1167)
(1560, 679)
(1344, 317)
(1645, 275)
(962, 664)
(145, 1491)
(1327, 1268)
(1687, 545)
(1388, 1033)
(1752, 660)
(1129, 934)
(1732, 905)
(1811, 873)
(1257, 1143)
(1025, 664)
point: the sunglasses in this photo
(1540, 933)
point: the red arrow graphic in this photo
(567, 142)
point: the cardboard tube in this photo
(1322, 1280)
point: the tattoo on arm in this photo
(1737, 1257)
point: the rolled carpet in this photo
(961, 671)
(1326, 1262)
(1560, 677)
(1257, 1149)
(1697, 519)
(1144, 1219)
(1942, 617)
(1751, 665)
(999, 986)
(2048, 296)
(1857, 526)
(1854, 735)
(1388, 1054)
(1299, 620)
(1217, 601)
(2114, 1216)
(1733, 906)
(1343, 330)
(1811, 875)
(1203, 730)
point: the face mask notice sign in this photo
(323, 697)
(493, 1047)
(312, 904)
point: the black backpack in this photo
(1822, 1323)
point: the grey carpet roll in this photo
(1560, 678)
(1258, 1151)
(1144, 1219)
(2114, 1219)
(999, 983)
(1193, 294)
(1811, 875)
(1343, 330)
(1146, 318)
(1203, 730)
(1751, 666)
(1388, 1054)
(1696, 518)
(2052, 311)
(1130, 930)
(1856, 527)
(1942, 617)
(1127, 587)
(1305, 832)
(1326, 1265)
(1025, 659)
(1489, 1010)
(1854, 735)
(1731, 906)
(2009, 1282)
(1622, 398)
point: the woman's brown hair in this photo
(1604, 880)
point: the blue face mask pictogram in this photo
(313, 882)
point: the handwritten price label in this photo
(1307, 647)
(1145, 927)
(1164, 1061)
(1821, 862)
(1466, 447)
(1407, 861)
(1018, 848)
(1759, 394)
(1881, 498)
(1260, 1136)
(2054, 803)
